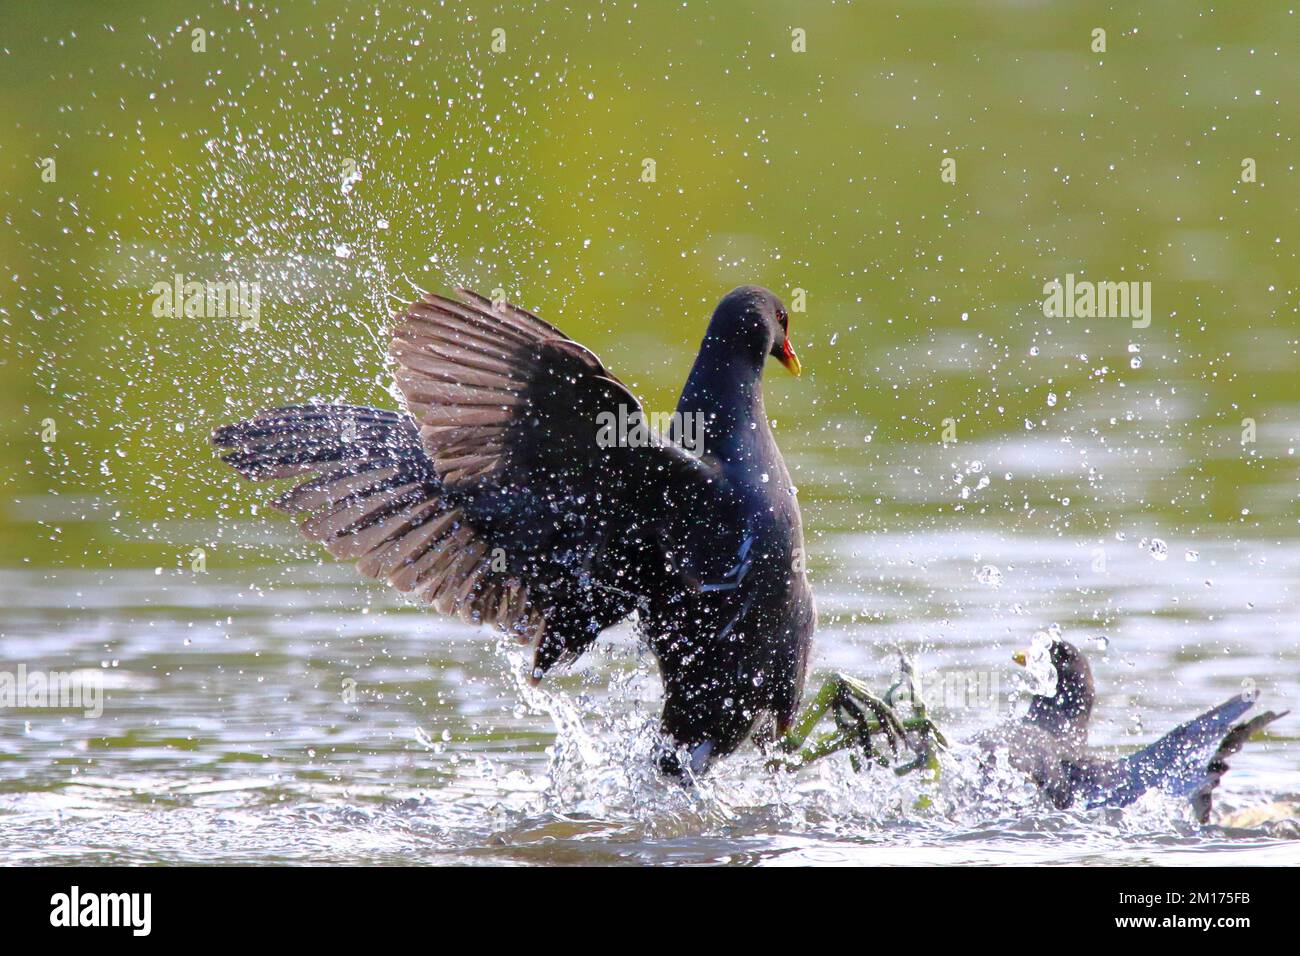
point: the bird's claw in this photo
(853, 702)
(929, 731)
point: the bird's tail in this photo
(1190, 760)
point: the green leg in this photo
(804, 751)
(849, 702)
(929, 741)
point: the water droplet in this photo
(1158, 549)
(989, 575)
(1051, 398)
(1191, 556)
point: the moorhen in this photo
(1049, 743)
(502, 495)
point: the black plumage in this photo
(1050, 743)
(493, 497)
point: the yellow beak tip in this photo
(1019, 658)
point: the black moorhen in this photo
(1050, 742)
(493, 497)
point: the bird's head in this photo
(753, 319)
(1063, 688)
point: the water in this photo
(232, 731)
(971, 470)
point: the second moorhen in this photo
(1049, 743)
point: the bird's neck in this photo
(1061, 721)
(725, 389)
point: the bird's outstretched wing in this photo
(499, 497)
(1189, 761)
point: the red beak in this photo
(789, 359)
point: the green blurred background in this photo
(521, 170)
